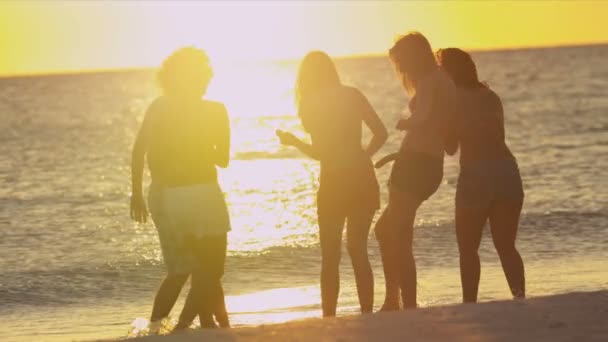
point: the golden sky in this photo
(58, 36)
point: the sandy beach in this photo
(101, 99)
(579, 316)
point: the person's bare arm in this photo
(496, 105)
(139, 211)
(408, 124)
(450, 127)
(289, 139)
(451, 144)
(373, 122)
(137, 162)
(222, 146)
(305, 113)
(386, 159)
(421, 112)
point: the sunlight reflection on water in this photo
(69, 250)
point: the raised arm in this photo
(222, 144)
(373, 122)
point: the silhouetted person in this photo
(489, 184)
(418, 167)
(183, 138)
(333, 114)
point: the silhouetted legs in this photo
(504, 222)
(167, 295)
(469, 229)
(206, 294)
(172, 284)
(402, 208)
(387, 241)
(395, 234)
(357, 232)
(189, 312)
(221, 314)
(330, 234)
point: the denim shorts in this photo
(417, 174)
(485, 182)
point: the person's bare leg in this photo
(357, 230)
(387, 243)
(190, 309)
(469, 228)
(200, 297)
(189, 313)
(504, 223)
(402, 212)
(167, 295)
(221, 314)
(330, 234)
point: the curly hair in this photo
(186, 72)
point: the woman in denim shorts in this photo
(489, 185)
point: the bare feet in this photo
(222, 320)
(387, 307)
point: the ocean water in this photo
(74, 267)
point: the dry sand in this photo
(569, 317)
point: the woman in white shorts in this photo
(184, 138)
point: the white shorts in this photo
(196, 210)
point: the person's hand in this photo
(139, 211)
(286, 138)
(385, 160)
(402, 125)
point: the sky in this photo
(55, 36)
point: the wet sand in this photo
(581, 316)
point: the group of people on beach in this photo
(184, 137)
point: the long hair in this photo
(317, 71)
(460, 66)
(187, 72)
(413, 59)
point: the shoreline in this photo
(576, 316)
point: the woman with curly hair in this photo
(184, 137)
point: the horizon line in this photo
(67, 72)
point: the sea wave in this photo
(435, 247)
